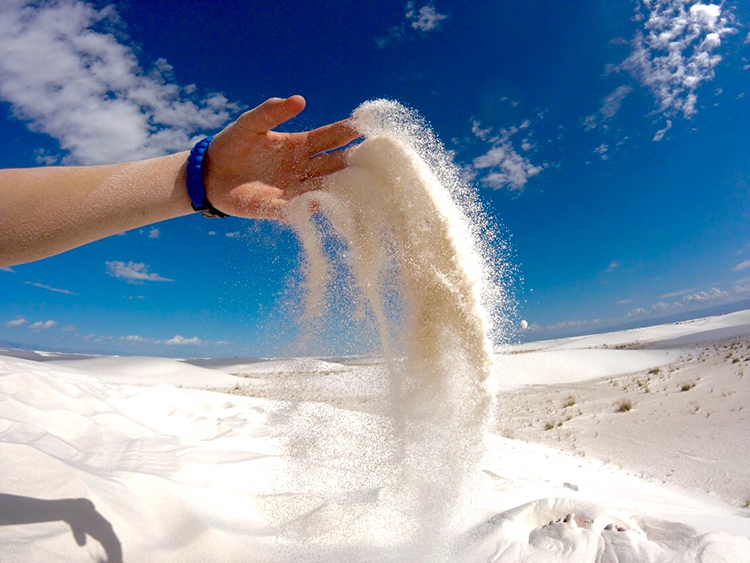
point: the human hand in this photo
(84, 520)
(253, 171)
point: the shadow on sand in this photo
(79, 513)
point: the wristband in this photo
(195, 188)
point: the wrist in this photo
(195, 173)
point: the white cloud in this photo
(741, 266)
(501, 166)
(134, 338)
(574, 324)
(476, 129)
(613, 102)
(712, 294)
(691, 299)
(48, 288)
(98, 338)
(678, 293)
(43, 325)
(133, 272)
(423, 20)
(87, 89)
(507, 169)
(676, 51)
(396, 34)
(178, 340)
(601, 150)
(610, 106)
(426, 18)
(154, 233)
(661, 132)
(613, 265)
(662, 307)
(637, 312)
(18, 321)
(8, 269)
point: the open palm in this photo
(254, 171)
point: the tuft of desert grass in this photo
(625, 405)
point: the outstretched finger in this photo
(325, 164)
(332, 136)
(271, 113)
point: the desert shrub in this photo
(570, 401)
(625, 405)
(687, 386)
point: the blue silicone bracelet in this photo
(195, 188)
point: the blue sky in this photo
(608, 139)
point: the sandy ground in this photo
(627, 446)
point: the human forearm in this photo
(46, 211)
(249, 171)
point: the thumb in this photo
(271, 113)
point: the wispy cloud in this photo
(49, 288)
(43, 325)
(134, 338)
(610, 106)
(18, 321)
(8, 269)
(98, 338)
(659, 135)
(154, 233)
(426, 18)
(741, 266)
(602, 150)
(712, 294)
(613, 265)
(691, 299)
(677, 50)
(678, 293)
(417, 21)
(502, 166)
(574, 324)
(86, 88)
(133, 272)
(176, 340)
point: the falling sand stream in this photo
(421, 262)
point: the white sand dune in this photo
(133, 459)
